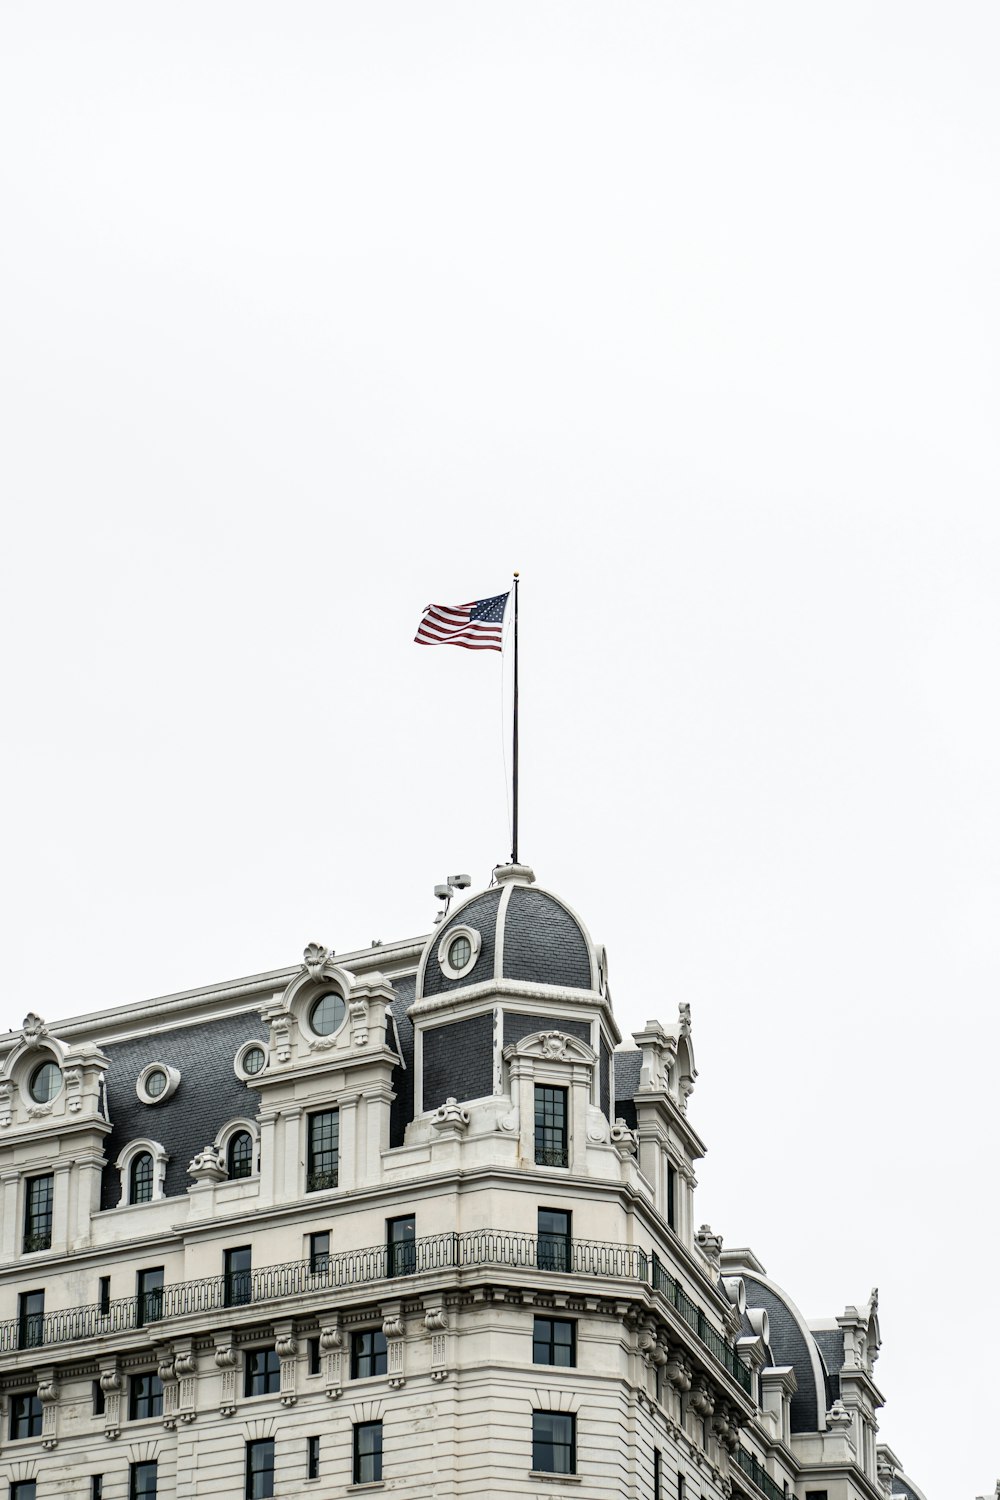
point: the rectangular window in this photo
(261, 1372)
(260, 1470)
(314, 1357)
(551, 1139)
(553, 1442)
(145, 1397)
(22, 1489)
(657, 1473)
(671, 1195)
(142, 1481)
(681, 1487)
(555, 1246)
(97, 1394)
(367, 1452)
(149, 1296)
(104, 1296)
(25, 1415)
(369, 1354)
(38, 1214)
(238, 1288)
(554, 1342)
(30, 1320)
(401, 1245)
(324, 1151)
(319, 1251)
(97, 1487)
(312, 1458)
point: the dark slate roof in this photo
(788, 1347)
(208, 1096)
(831, 1346)
(481, 914)
(543, 943)
(628, 1066)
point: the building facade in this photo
(411, 1219)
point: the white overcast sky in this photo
(313, 313)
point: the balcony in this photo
(758, 1475)
(477, 1249)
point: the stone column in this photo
(9, 1219)
(292, 1182)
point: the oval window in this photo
(45, 1084)
(327, 1014)
(155, 1084)
(253, 1060)
(460, 952)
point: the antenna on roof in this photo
(446, 892)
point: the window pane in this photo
(145, 1397)
(25, 1415)
(369, 1354)
(240, 1155)
(142, 1481)
(24, 1489)
(260, 1470)
(312, 1458)
(141, 1178)
(31, 1320)
(324, 1150)
(554, 1342)
(401, 1236)
(367, 1452)
(149, 1287)
(550, 1127)
(554, 1245)
(319, 1251)
(238, 1287)
(553, 1442)
(38, 1214)
(262, 1373)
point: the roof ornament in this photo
(446, 891)
(33, 1030)
(316, 956)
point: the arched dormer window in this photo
(140, 1178)
(239, 1154)
(143, 1168)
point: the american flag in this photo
(477, 626)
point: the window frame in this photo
(238, 1170)
(134, 1475)
(375, 1358)
(135, 1198)
(320, 1179)
(23, 1489)
(319, 1257)
(312, 1457)
(539, 1442)
(400, 1252)
(31, 1416)
(554, 1247)
(237, 1280)
(551, 1344)
(151, 1398)
(31, 1319)
(32, 1219)
(269, 1376)
(374, 1455)
(551, 1140)
(266, 1471)
(148, 1296)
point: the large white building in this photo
(407, 1219)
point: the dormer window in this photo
(459, 953)
(46, 1081)
(239, 1154)
(140, 1178)
(327, 1013)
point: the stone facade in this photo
(392, 1220)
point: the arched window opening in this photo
(239, 1156)
(140, 1177)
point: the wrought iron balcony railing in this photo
(755, 1471)
(474, 1250)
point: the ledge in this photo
(547, 1478)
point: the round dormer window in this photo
(460, 953)
(253, 1060)
(46, 1081)
(327, 1014)
(156, 1082)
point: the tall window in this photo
(140, 1178)
(261, 1372)
(314, 1356)
(97, 1487)
(554, 1342)
(324, 1150)
(238, 1278)
(369, 1353)
(104, 1295)
(145, 1396)
(38, 1214)
(657, 1474)
(97, 1398)
(671, 1195)
(149, 1296)
(555, 1245)
(239, 1154)
(367, 1452)
(25, 1415)
(142, 1481)
(681, 1487)
(319, 1251)
(30, 1320)
(551, 1140)
(401, 1245)
(260, 1470)
(312, 1458)
(22, 1489)
(553, 1442)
